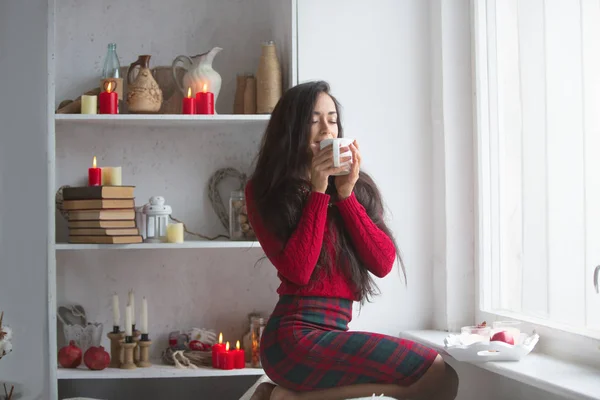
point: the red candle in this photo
(205, 102)
(216, 350)
(94, 175)
(239, 357)
(189, 103)
(226, 358)
(108, 100)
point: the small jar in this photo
(257, 325)
(239, 225)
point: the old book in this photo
(105, 239)
(101, 224)
(98, 204)
(83, 215)
(98, 192)
(103, 232)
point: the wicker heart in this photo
(218, 205)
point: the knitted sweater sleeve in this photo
(374, 247)
(296, 259)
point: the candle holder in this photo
(136, 338)
(116, 354)
(144, 348)
(128, 345)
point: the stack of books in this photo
(101, 214)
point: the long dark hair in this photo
(280, 184)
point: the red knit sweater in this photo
(296, 260)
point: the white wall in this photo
(376, 59)
(23, 195)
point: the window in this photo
(537, 79)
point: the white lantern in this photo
(157, 218)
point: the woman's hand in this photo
(322, 167)
(345, 183)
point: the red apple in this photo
(503, 337)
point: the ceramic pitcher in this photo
(199, 71)
(143, 93)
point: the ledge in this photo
(544, 372)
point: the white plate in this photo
(493, 351)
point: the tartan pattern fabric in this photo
(306, 346)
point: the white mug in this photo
(337, 144)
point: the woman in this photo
(325, 234)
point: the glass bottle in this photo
(257, 325)
(112, 71)
(239, 225)
(247, 338)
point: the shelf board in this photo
(155, 371)
(162, 120)
(192, 244)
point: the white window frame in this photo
(562, 340)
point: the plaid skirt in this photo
(306, 346)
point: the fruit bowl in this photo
(461, 348)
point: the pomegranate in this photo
(69, 356)
(503, 337)
(96, 358)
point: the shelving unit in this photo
(192, 244)
(155, 371)
(161, 154)
(228, 121)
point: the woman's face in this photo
(324, 120)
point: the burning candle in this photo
(205, 101)
(109, 99)
(239, 357)
(144, 327)
(189, 103)
(216, 349)
(116, 313)
(226, 358)
(94, 174)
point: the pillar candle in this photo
(128, 330)
(189, 103)
(116, 312)
(89, 104)
(144, 327)
(108, 100)
(239, 357)
(132, 305)
(216, 349)
(226, 358)
(94, 175)
(175, 233)
(112, 176)
(205, 101)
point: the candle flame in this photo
(237, 345)
(94, 162)
(204, 88)
(221, 338)
(189, 92)
(227, 347)
(109, 87)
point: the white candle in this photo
(116, 313)
(175, 233)
(144, 328)
(132, 305)
(112, 176)
(128, 321)
(89, 104)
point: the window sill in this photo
(542, 371)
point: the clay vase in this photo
(269, 83)
(143, 93)
(199, 72)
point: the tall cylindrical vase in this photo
(269, 85)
